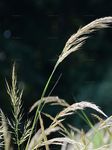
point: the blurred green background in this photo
(33, 33)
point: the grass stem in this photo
(40, 106)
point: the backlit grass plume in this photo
(20, 129)
(77, 40)
(16, 102)
(5, 135)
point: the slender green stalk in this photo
(17, 135)
(87, 119)
(91, 125)
(40, 107)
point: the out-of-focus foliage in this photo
(34, 32)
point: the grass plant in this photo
(15, 133)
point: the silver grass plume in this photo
(77, 40)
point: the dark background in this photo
(33, 33)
